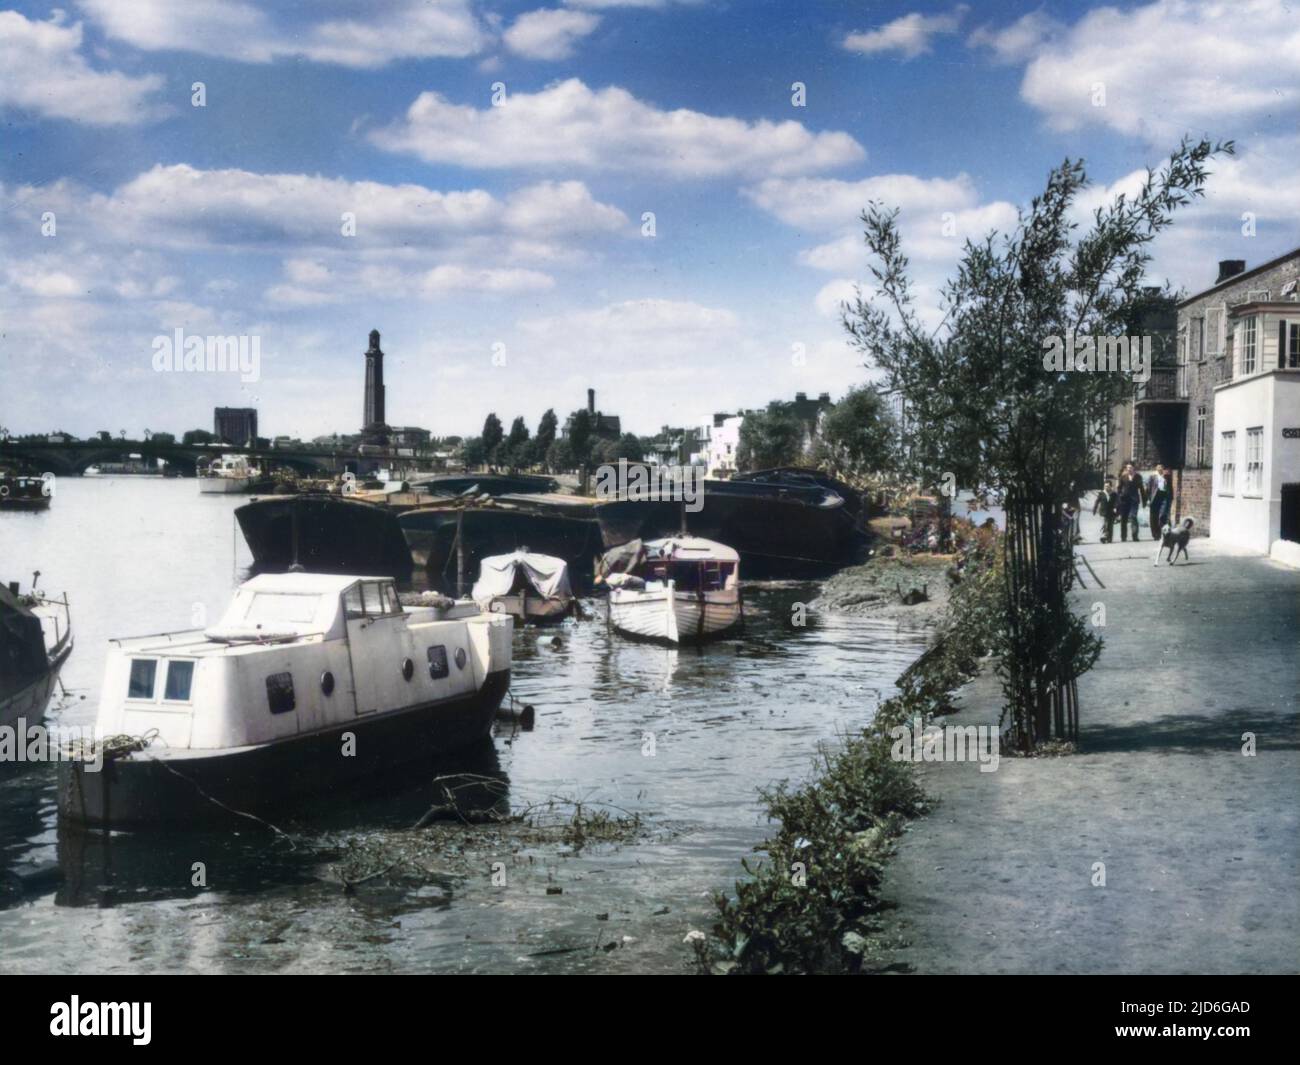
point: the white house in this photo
(723, 443)
(1255, 494)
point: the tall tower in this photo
(374, 413)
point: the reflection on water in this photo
(682, 738)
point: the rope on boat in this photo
(123, 744)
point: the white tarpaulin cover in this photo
(549, 576)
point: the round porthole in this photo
(408, 669)
(460, 658)
(327, 682)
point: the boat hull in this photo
(189, 788)
(333, 535)
(778, 535)
(531, 610)
(674, 617)
(25, 503)
(223, 486)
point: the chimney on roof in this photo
(1230, 268)
(591, 401)
(825, 397)
(801, 397)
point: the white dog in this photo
(1175, 540)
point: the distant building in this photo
(603, 426)
(720, 441)
(235, 425)
(373, 428)
(410, 436)
(810, 412)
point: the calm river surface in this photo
(136, 555)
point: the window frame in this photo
(1249, 344)
(1253, 486)
(438, 671)
(1228, 463)
(270, 694)
(188, 697)
(152, 697)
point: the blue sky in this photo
(517, 230)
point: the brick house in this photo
(1213, 327)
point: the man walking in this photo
(1132, 495)
(1158, 496)
(1107, 503)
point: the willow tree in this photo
(985, 403)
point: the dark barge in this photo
(558, 525)
(782, 526)
(324, 533)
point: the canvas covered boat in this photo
(530, 587)
(681, 589)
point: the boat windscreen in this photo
(282, 606)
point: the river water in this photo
(681, 739)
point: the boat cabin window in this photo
(281, 606)
(279, 693)
(374, 599)
(180, 679)
(143, 673)
(438, 662)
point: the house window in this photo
(1257, 295)
(1200, 436)
(180, 679)
(1249, 337)
(1214, 331)
(1254, 462)
(279, 693)
(144, 671)
(1289, 357)
(1198, 334)
(1228, 464)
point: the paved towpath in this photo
(1201, 844)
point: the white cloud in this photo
(360, 33)
(1166, 68)
(832, 295)
(46, 74)
(910, 35)
(549, 33)
(1020, 41)
(181, 205)
(568, 124)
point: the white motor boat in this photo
(682, 589)
(227, 475)
(529, 587)
(309, 681)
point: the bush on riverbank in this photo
(810, 905)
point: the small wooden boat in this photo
(35, 641)
(25, 493)
(309, 682)
(681, 589)
(533, 589)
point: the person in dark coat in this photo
(1159, 494)
(1107, 504)
(1132, 495)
